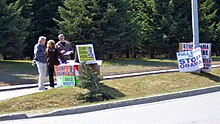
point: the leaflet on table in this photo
(72, 62)
(68, 52)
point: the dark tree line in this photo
(117, 28)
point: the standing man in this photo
(63, 46)
(40, 57)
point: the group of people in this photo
(47, 57)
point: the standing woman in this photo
(52, 59)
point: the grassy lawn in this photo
(21, 72)
(141, 65)
(136, 65)
(120, 88)
(17, 72)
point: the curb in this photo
(13, 117)
(129, 102)
(122, 103)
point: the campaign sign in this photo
(207, 65)
(68, 81)
(205, 49)
(64, 70)
(189, 61)
(86, 53)
(65, 81)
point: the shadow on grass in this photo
(103, 94)
(114, 92)
(208, 75)
(143, 62)
(216, 59)
(17, 73)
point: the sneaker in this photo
(50, 88)
(42, 88)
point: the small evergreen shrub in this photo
(89, 79)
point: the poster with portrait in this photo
(86, 53)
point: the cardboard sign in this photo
(86, 53)
(207, 65)
(205, 49)
(189, 61)
(64, 70)
(65, 81)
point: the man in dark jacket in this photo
(63, 46)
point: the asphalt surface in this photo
(200, 109)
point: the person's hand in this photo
(33, 63)
(63, 51)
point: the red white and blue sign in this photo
(189, 61)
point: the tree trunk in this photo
(109, 56)
(127, 54)
(135, 54)
(4, 56)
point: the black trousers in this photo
(51, 72)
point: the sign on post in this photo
(189, 61)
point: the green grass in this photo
(59, 97)
(21, 72)
(120, 88)
(17, 72)
(141, 65)
(163, 83)
(136, 65)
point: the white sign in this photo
(189, 61)
(205, 49)
(207, 65)
(86, 53)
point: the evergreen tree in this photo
(41, 14)
(106, 24)
(210, 16)
(163, 25)
(12, 30)
(207, 14)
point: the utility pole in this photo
(195, 25)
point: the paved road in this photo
(202, 109)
